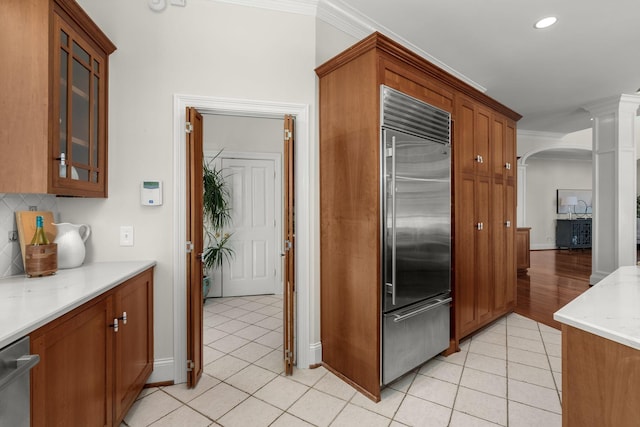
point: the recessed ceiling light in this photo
(545, 22)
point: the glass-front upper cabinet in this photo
(79, 112)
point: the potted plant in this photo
(216, 215)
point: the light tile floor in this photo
(506, 375)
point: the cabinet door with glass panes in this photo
(79, 113)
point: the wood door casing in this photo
(289, 248)
(194, 229)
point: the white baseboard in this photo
(163, 371)
(315, 354)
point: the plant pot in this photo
(206, 286)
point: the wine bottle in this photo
(39, 238)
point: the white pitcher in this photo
(70, 242)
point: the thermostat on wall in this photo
(151, 193)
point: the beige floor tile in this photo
(217, 401)
(251, 306)
(183, 417)
(281, 392)
(273, 361)
(417, 412)
(551, 338)
(270, 310)
(251, 332)
(531, 375)
(526, 416)
(217, 308)
(269, 299)
(252, 318)
(482, 405)
(548, 329)
(459, 419)
(270, 323)
(526, 344)
(464, 344)
(487, 364)
(288, 420)
(497, 338)
(235, 301)
(388, 405)
(434, 390)
(252, 412)
(150, 409)
(147, 391)
(210, 354)
(272, 339)
(442, 370)
(404, 382)
(517, 331)
(487, 349)
(499, 326)
(334, 386)
(184, 394)
(215, 319)
(251, 352)
(308, 376)
(557, 377)
(457, 358)
(251, 378)
(534, 395)
(354, 416)
(317, 408)
(528, 358)
(236, 312)
(553, 349)
(228, 343)
(232, 326)
(210, 335)
(224, 367)
(484, 382)
(514, 319)
(556, 363)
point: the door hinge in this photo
(287, 134)
(188, 127)
(189, 246)
(190, 365)
(288, 356)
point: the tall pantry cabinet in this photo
(483, 142)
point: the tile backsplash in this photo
(10, 256)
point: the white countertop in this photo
(28, 303)
(610, 309)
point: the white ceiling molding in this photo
(351, 21)
(539, 134)
(302, 7)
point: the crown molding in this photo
(358, 25)
(302, 7)
(539, 134)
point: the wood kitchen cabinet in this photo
(91, 371)
(484, 216)
(350, 205)
(55, 88)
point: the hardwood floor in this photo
(554, 278)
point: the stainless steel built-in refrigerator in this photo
(416, 232)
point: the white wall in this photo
(244, 134)
(544, 177)
(206, 48)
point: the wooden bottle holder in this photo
(41, 260)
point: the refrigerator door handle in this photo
(393, 220)
(436, 303)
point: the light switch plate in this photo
(126, 235)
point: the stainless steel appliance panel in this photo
(414, 335)
(15, 364)
(417, 223)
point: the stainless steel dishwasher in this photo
(15, 366)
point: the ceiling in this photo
(545, 75)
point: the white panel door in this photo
(252, 271)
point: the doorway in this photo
(306, 354)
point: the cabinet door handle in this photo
(507, 223)
(123, 318)
(480, 226)
(114, 325)
(507, 166)
(479, 159)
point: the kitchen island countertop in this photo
(610, 309)
(28, 303)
